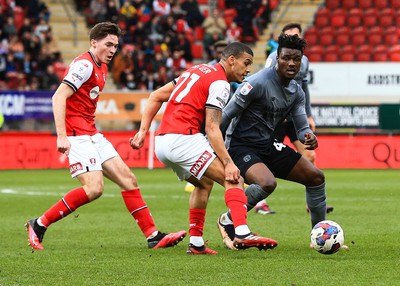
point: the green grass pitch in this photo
(100, 244)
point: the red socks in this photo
(139, 210)
(236, 201)
(69, 203)
(197, 218)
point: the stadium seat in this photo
(394, 53)
(370, 17)
(359, 35)
(395, 4)
(391, 36)
(19, 16)
(338, 17)
(355, 17)
(397, 18)
(380, 54)
(348, 4)
(342, 36)
(199, 33)
(375, 36)
(363, 4)
(364, 53)
(321, 18)
(326, 36)
(331, 54)
(386, 17)
(229, 15)
(332, 4)
(197, 51)
(347, 54)
(314, 53)
(380, 4)
(311, 35)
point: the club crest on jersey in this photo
(94, 92)
(200, 163)
(246, 88)
(92, 161)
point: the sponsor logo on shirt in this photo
(75, 168)
(246, 88)
(76, 76)
(200, 163)
(94, 92)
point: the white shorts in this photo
(88, 153)
(186, 155)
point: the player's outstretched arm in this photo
(153, 105)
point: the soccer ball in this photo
(327, 237)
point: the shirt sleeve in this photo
(78, 73)
(218, 94)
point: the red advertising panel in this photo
(23, 150)
(38, 151)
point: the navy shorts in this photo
(279, 158)
(285, 129)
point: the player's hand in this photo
(311, 141)
(63, 145)
(232, 173)
(137, 141)
(311, 123)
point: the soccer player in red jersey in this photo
(198, 95)
(91, 156)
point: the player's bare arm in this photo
(59, 109)
(214, 134)
(153, 105)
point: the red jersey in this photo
(87, 78)
(200, 87)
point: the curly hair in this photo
(291, 42)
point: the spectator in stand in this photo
(214, 30)
(128, 13)
(128, 81)
(44, 12)
(26, 27)
(272, 45)
(41, 28)
(193, 15)
(176, 62)
(50, 49)
(9, 27)
(50, 79)
(184, 45)
(162, 7)
(112, 12)
(98, 10)
(122, 61)
(156, 30)
(233, 33)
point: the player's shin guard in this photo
(316, 202)
(69, 203)
(197, 218)
(139, 210)
(236, 201)
(254, 194)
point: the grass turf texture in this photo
(100, 244)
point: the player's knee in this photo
(94, 189)
(318, 177)
(268, 186)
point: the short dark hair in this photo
(236, 49)
(101, 30)
(292, 26)
(291, 42)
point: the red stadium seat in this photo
(391, 36)
(375, 36)
(370, 17)
(395, 4)
(394, 53)
(331, 54)
(386, 17)
(348, 4)
(380, 4)
(364, 53)
(342, 36)
(332, 4)
(19, 16)
(347, 53)
(359, 35)
(229, 15)
(314, 53)
(197, 51)
(321, 18)
(380, 54)
(338, 17)
(326, 36)
(363, 4)
(199, 33)
(355, 17)
(311, 35)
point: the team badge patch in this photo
(246, 88)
